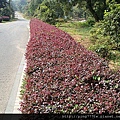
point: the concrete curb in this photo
(18, 80)
(18, 100)
(14, 100)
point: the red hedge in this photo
(64, 77)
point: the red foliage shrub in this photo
(64, 77)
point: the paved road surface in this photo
(13, 39)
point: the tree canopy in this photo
(95, 8)
(63, 8)
(6, 8)
(3, 3)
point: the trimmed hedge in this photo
(64, 77)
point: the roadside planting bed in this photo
(63, 77)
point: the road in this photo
(13, 40)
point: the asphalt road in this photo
(13, 40)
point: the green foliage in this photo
(101, 44)
(43, 13)
(48, 11)
(6, 8)
(90, 21)
(64, 8)
(105, 35)
(32, 7)
(77, 12)
(96, 32)
(3, 3)
(24, 82)
(112, 23)
(6, 11)
(80, 24)
(67, 9)
(96, 78)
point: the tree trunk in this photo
(90, 7)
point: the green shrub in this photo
(90, 21)
(83, 24)
(111, 23)
(105, 35)
(79, 24)
(101, 44)
(96, 32)
(45, 14)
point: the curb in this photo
(18, 80)
(18, 100)
(14, 100)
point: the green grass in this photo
(76, 28)
(24, 82)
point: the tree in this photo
(6, 8)
(32, 6)
(105, 35)
(3, 3)
(66, 6)
(111, 24)
(49, 11)
(96, 7)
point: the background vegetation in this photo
(6, 9)
(100, 31)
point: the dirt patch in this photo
(114, 66)
(77, 38)
(85, 42)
